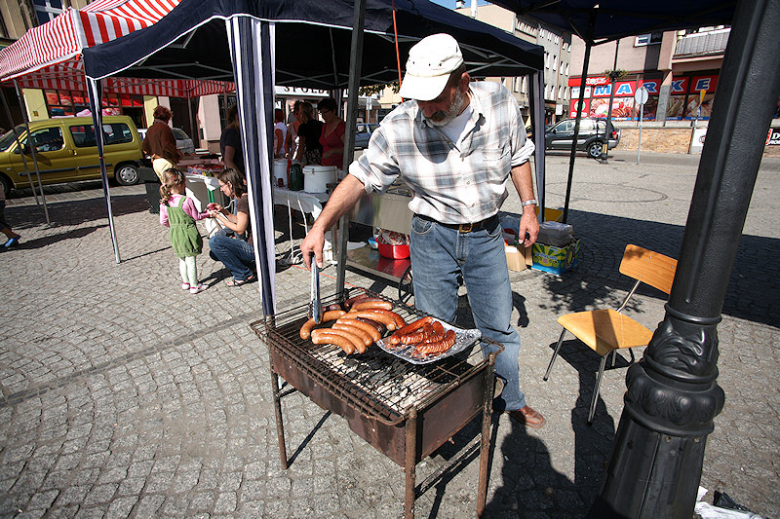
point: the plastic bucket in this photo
(316, 178)
(280, 172)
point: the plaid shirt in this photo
(454, 183)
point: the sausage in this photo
(371, 330)
(419, 323)
(334, 306)
(370, 305)
(352, 300)
(438, 327)
(376, 324)
(410, 328)
(384, 318)
(337, 340)
(356, 341)
(437, 348)
(399, 321)
(307, 327)
(354, 330)
(424, 334)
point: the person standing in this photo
(178, 212)
(309, 148)
(457, 144)
(292, 131)
(230, 142)
(333, 133)
(280, 134)
(160, 143)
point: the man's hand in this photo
(529, 227)
(314, 242)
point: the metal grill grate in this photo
(376, 383)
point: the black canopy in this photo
(313, 41)
(615, 19)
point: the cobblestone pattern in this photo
(123, 396)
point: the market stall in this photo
(237, 40)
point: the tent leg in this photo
(32, 151)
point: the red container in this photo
(393, 251)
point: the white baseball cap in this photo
(429, 66)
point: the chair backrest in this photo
(649, 267)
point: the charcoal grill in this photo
(405, 411)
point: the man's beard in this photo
(442, 117)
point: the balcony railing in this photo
(702, 44)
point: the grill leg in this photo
(484, 452)
(279, 422)
(411, 457)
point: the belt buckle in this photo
(465, 228)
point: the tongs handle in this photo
(315, 305)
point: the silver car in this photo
(183, 141)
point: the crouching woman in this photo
(234, 248)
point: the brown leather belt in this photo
(462, 227)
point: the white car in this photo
(183, 141)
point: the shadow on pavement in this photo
(753, 292)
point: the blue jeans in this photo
(438, 255)
(237, 255)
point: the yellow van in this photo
(66, 151)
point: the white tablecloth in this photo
(305, 203)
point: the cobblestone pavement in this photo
(123, 396)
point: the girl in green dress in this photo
(180, 214)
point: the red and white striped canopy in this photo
(49, 56)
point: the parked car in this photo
(593, 133)
(66, 151)
(363, 133)
(183, 141)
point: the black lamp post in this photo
(673, 397)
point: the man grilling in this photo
(456, 144)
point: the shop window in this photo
(648, 39)
(47, 10)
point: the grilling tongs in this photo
(315, 306)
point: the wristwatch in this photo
(529, 202)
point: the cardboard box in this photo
(518, 258)
(555, 260)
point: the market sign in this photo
(590, 81)
(773, 137)
(622, 89)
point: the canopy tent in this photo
(598, 22)
(615, 19)
(49, 56)
(305, 43)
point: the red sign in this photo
(591, 81)
(700, 83)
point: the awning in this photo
(49, 56)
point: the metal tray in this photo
(464, 339)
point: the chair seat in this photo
(606, 330)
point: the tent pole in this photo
(537, 120)
(579, 107)
(612, 81)
(672, 395)
(19, 144)
(95, 96)
(351, 119)
(33, 151)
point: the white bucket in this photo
(316, 178)
(280, 172)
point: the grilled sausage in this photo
(352, 300)
(376, 324)
(356, 341)
(437, 348)
(370, 329)
(438, 327)
(354, 330)
(307, 327)
(385, 318)
(337, 340)
(399, 321)
(371, 305)
(334, 306)
(409, 328)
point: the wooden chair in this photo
(606, 331)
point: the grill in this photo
(406, 411)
